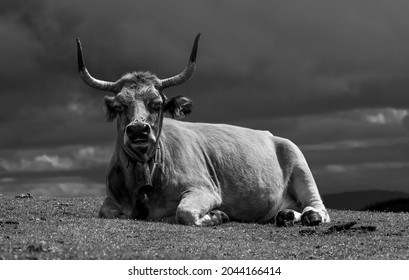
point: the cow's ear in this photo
(110, 112)
(178, 107)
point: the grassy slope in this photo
(67, 228)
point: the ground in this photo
(68, 228)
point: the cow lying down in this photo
(198, 174)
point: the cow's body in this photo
(195, 173)
(248, 174)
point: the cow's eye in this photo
(119, 109)
(156, 107)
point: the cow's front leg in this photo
(110, 210)
(287, 217)
(198, 208)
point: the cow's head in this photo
(139, 104)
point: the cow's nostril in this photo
(131, 131)
(146, 129)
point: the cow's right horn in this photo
(187, 72)
(86, 76)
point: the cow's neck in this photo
(141, 171)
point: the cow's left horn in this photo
(186, 73)
(87, 78)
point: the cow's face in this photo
(139, 108)
(139, 104)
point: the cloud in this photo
(405, 122)
(56, 125)
(51, 159)
(337, 129)
(46, 162)
(352, 168)
(7, 180)
(333, 168)
(367, 176)
(53, 187)
(37, 164)
(388, 115)
(93, 155)
(355, 144)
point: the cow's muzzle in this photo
(138, 133)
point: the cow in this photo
(201, 174)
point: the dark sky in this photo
(333, 76)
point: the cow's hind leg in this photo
(198, 208)
(304, 191)
(288, 217)
(313, 216)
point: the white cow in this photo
(198, 174)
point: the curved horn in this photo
(186, 73)
(87, 78)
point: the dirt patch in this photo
(337, 228)
(308, 231)
(24, 195)
(340, 227)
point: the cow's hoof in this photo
(311, 218)
(220, 216)
(285, 218)
(109, 213)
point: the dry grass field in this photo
(68, 228)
